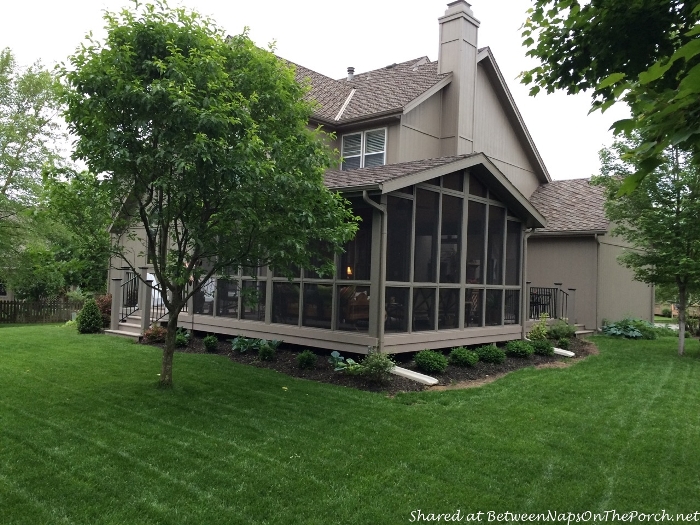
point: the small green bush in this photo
(89, 320)
(266, 352)
(243, 344)
(462, 357)
(211, 343)
(545, 346)
(155, 334)
(564, 343)
(520, 348)
(431, 361)
(182, 337)
(307, 360)
(561, 329)
(377, 367)
(666, 312)
(539, 330)
(340, 364)
(490, 354)
(70, 324)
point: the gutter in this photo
(382, 270)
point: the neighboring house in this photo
(439, 165)
(577, 250)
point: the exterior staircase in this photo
(581, 331)
(133, 295)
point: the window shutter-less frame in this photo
(364, 149)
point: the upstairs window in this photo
(364, 149)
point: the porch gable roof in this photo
(392, 177)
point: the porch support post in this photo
(571, 314)
(525, 286)
(377, 309)
(559, 298)
(116, 303)
(145, 298)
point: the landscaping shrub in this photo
(376, 367)
(155, 334)
(666, 312)
(266, 352)
(462, 357)
(539, 330)
(340, 364)
(211, 343)
(69, 324)
(89, 320)
(104, 303)
(563, 343)
(431, 361)
(665, 331)
(631, 329)
(520, 348)
(182, 337)
(242, 344)
(561, 329)
(545, 346)
(692, 325)
(490, 354)
(307, 360)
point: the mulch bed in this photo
(454, 377)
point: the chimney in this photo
(457, 55)
(351, 73)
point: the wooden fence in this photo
(49, 311)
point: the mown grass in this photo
(86, 437)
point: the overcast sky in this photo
(329, 36)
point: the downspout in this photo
(382, 269)
(525, 309)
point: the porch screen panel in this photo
(398, 252)
(448, 309)
(355, 261)
(227, 298)
(476, 228)
(353, 308)
(318, 305)
(423, 309)
(513, 232)
(512, 308)
(451, 239)
(494, 302)
(396, 318)
(285, 303)
(494, 270)
(253, 297)
(473, 307)
(426, 240)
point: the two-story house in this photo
(438, 163)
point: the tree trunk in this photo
(166, 373)
(681, 319)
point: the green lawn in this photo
(86, 437)
(666, 320)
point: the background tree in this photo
(205, 141)
(660, 219)
(28, 133)
(645, 53)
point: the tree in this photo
(28, 130)
(205, 142)
(79, 203)
(660, 219)
(645, 53)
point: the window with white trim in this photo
(364, 149)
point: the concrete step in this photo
(584, 333)
(130, 327)
(134, 336)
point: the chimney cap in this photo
(351, 73)
(459, 6)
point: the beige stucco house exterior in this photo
(440, 166)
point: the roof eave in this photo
(569, 233)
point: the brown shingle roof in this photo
(379, 91)
(571, 205)
(344, 180)
(390, 87)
